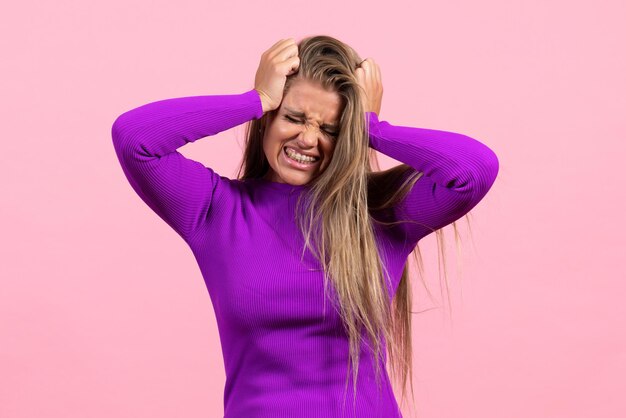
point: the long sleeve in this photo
(458, 173)
(178, 189)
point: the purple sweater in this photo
(284, 354)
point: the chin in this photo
(298, 181)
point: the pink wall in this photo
(103, 311)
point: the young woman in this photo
(308, 225)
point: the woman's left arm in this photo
(458, 173)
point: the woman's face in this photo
(307, 122)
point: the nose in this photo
(309, 137)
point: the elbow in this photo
(117, 131)
(129, 142)
(484, 175)
(123, 130)
(475, 176)
(491, 167)
(485, 166)
(122, 124)
(122, 137)
(478, 177)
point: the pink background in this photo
(103, 311)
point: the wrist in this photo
(264, 104)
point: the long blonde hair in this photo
(338, 211)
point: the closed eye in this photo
(290, 119)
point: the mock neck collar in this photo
(278, 186)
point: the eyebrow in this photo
(303, 115)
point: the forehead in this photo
(313, 100)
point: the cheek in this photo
(267, 145)
(284, 130)
(329, 150)
(271, 145)
(277, 132)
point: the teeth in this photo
(302, 158)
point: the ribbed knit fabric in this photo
(285, 350)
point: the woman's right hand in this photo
(278, 62)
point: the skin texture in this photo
(319, 105)
(306, 135)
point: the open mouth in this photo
(299, 163)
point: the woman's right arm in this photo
(179, 190)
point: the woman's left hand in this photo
(368, 76)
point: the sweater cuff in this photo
(255, 100)
(373, 129)
(373, 116)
